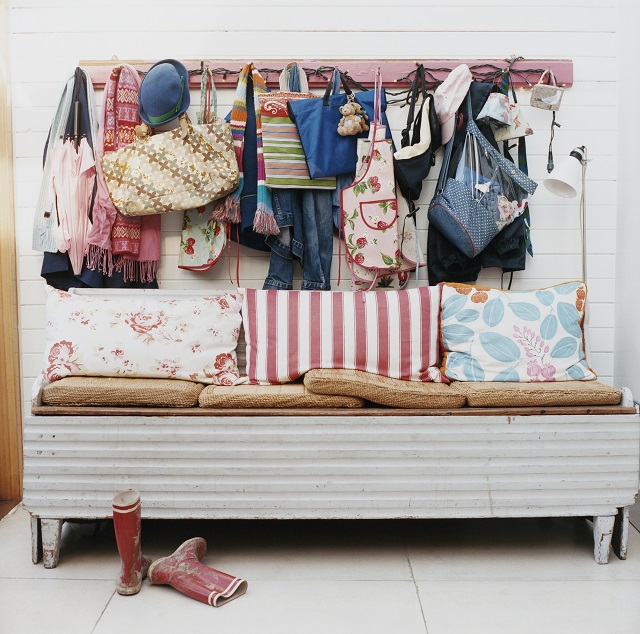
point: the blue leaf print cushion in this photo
(514, 336)
(499, 347)
(549, 327)
(493, 312)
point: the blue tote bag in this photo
(327, 153)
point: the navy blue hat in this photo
(164, 92)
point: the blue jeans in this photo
(305, 220)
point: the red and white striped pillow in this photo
(391, 333)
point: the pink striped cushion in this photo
(392, 333)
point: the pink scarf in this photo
(124, 243)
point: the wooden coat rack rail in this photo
(395, 73)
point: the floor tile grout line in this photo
(113, 594)
(415, 585)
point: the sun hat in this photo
(164, 92)
(448, 97)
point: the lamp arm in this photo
(582, 157)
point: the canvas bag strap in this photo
(417, 123)
(293, 78)
(505, 85)
(442, 179)
(516, 175)
(552, 77)
(377, 103)
(417, 86)
(333, 86)
(208, 98)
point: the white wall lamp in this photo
(567, 181)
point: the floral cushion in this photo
(525, 336)
(193, 337)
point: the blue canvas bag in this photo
(326, 152)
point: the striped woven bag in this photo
(284, 158)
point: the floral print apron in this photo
(370, 209)
(411, 255)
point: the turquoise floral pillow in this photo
(524, 336)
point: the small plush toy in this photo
(354, 119)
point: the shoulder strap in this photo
(442, 179)
(333, 86)
(412, 98)
(514, 173)
(208, 98)
(293, 78)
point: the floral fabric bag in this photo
(203, 238)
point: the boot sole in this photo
(128, 590)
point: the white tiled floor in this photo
(404, 577)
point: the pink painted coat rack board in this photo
(395, 73)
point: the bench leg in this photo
(602, 532)
(621, 533)
(51, 532)
(36, 540)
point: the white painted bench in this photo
(333, 464)
(377, 463)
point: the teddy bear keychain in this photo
(354, 118)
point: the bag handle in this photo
(333, 87)
(444, 170)
(417, 124)
(293, 78)
(552, 77)
(442, 179)
(417, 87)
(377, 101)
(208, 98)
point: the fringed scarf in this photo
(264, 221)
(118, 242)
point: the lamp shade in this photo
(566, 178)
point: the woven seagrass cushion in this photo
(288, 395)
(384, 390)
(75, 391)
(554, 393)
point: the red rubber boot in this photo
(127, 523)
(185, 573)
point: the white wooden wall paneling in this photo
(311, 30)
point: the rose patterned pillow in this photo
(191, 337)
(524, 336)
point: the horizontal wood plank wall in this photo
(71, 30)
(10, 415)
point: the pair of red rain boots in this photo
(182, 570)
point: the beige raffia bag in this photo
(172, 171)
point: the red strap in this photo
(238, 254)
(229, 251)
(340, 238)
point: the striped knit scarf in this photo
(264, 222)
